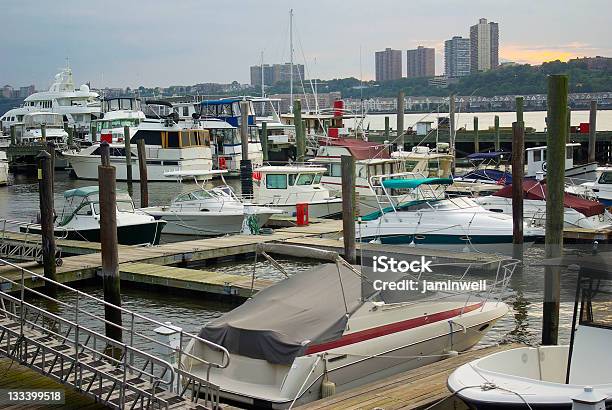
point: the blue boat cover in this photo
(487, 155)
(491, 175)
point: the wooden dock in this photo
(414, 389)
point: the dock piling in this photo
(451, 130)
(569, 124)
(300, 132)
(401, 98)
(476, 141)
(497, 138)
(51, 152)
(13, 135)
(386, 127)
(105, 153)
(592, 131)
(128, 159)
(47, 211)
(246, 167)
(520, 104)
(555, 177)
(518, 169)
(264, 140)
(108, 245)
(347, 163)
(93, 131)
(142, 171)
(43, 132)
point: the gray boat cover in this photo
(281, 321)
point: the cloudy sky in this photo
(159, 43)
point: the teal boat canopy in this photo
(415, 183)
(82, 192)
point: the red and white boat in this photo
(327, 329)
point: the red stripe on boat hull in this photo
(391, 328)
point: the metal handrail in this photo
(225, 360)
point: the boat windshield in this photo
(605, 178)
(116, 123)
(49, 119)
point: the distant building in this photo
(594, 63)
(421, 62)
(388, 65)
(7, 91)
(276, 73)
(457, 57)
(484, 46)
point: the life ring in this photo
(544, 166)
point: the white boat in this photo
(30, 130)
(209, 212)
(168, 146)
(4, 168)
(575, 174)
(284, 187)
(78, 107)
(552, 377)
(600, 189)
(327, 329)
(431, 218)
(80, 219)
(486, 177)
(578, 212)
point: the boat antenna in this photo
(291, 60)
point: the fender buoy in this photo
(222, 164)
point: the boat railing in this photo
(78, 314)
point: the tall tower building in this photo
(388, 65)
(457, 57)
(484, 49)
(421, 62)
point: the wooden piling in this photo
(43, 132)
(518, 169)
(348, 207)
(70, 136)
(451, 130)
(386, 128)
(401, 97)
(142, 171)
(476, 141)
(108, 244)
(13, 135)
(51, 152)
(300, 133)
(47, 213)
(497, 139)
(246, 167)
(128, 159)
(264, 140)
(592, 131)
(93, 132)
(569, 124)
(520, 108)
(555, 177)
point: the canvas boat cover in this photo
(281, 321)
(360, 149)
(533, 189)
(489, 175)
(481, 156)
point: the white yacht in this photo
(576, 174)
(168, 145)
(76, 106)
(600, 189)
(574, 376)
(284, 187)
(327, 329)
(209, 211)
(4, 168)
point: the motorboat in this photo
(430, 217)
(4, 168)
(168, 145)
(485, 177)
(76, 106)
(578, 212)
(329, 329)
(552, 377)
(600, 189)
(574, 174)
(80, 219)
(284, 187)
(209, 211)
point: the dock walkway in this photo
(414, 389)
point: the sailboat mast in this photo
(263, 94)
(291, 59)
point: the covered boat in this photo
(329, 327)
(552, 377)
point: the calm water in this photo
(533, 119)
(521, 324)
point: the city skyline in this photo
(124, 51)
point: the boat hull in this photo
(316, 209)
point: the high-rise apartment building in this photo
(484, 45)
(421, 62)
(388, 65)
(276, 73)
(457, 57)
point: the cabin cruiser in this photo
(485, 177)
(80, 219)
(227, 144)
(168, 145)
(568, 377)
(77, 107)
(209, 212)
(600, 189)
(4, 168)
(575, 174)
(431, 218)
(578, 212)
(328, 328)
(284, 187)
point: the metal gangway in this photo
(65, 340)
(27, 246)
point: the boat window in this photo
(183, 198)
(201, 195)
(253, 134)
(335, 170)
(605, 178)
(291, 179)
(84, 210)
(317, 179)
(185, 111)
(410, 165)
(276, 181)
(123, 206)
(305, 179)
(537, 156)
(569, 152)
